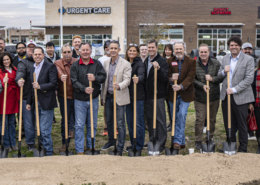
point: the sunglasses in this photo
(131, 44)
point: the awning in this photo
(2, 26)
(221, 24)
(160, 24)
(66, 25)
(257, 24)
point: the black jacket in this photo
(23, 71)
(48, 82)
(138, 69)
(162, 78)
(79, 79)
(16, 60)
(74, 54)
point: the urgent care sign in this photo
(220, 11)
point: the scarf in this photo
(257, 100)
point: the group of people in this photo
(76, 68)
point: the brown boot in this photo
(71, 134)
(63, 148)
(81, 153)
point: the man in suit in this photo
(46, 82)
(154, 60)
(122, 69)
(183, 69)
(241, 68)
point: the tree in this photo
(151, 25)
(41, 35)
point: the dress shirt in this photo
(111, 72)
(37, 69)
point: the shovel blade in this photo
(4, 153)
(230, 148)
(64, 153)
(134, 153)
(39, 152)
(154, 148)
(93, 152)
(115, 153)
(208, 148)
(19, 155)
(171, 151)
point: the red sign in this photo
(220, 11)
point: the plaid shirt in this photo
(112, 68)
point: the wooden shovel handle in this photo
(20, 114)
(91, 111)
(208, 126)
(155, 98)
(174, 109)
(115, 118)
(65, 109)
(4, 107)
(229, 105)
(134, 109)
(36, 107)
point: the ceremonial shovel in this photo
(4, 151)
(209, 147)
(115, 152)
(19, 155)
(154, 146)
(134, 152)
(40, 152)
(229, 147)
(173, 151)
(67, 152)
(92, 151)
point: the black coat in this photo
(138, 69)
(48, 82)
(162, 78)
(16, 60)
(74, 54)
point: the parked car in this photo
(221, 55)
(10, 48)
(256, 52)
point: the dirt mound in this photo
(104, 169)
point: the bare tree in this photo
(151, 24)
(41, 35)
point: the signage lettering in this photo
(220, 11)
(89, 10)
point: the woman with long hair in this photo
(138, 69)
(256, 105)
(168, 51)
(12, 99)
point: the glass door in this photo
(222, 45)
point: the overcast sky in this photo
(18, 13)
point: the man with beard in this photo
(76, 41)
(20, 49)
(183, 69)
(2, 47)
(50, 54)
(63, 66)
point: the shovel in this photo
(40, 152)
(134, 152)
(209, 147)
(4, 151)
(92, 151)
(154, 146)
(19, 155)
(67, 152)
(115, 152)
(173, 151)
(229, 147)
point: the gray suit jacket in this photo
(242, 79)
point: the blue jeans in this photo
(82, 117)
(180, 119)
(45, 119)
(29, 123)
(120, 116)
(140, 128)
(9, 137)
(70, 114)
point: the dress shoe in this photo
(176, 146)
(71, 134)
(198, 145)
(81, 153)
(63, 148)
(182, 146)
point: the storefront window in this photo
(217, 38)
(258, 38)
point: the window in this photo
(258, 38)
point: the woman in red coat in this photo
(12, 99)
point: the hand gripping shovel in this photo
(173, 151)
(115, 152)
(40, 152)
(4, 151)
(229, 147)
(67, 152)
(134, 152)
(92, 151)
(19, 155)
(209, 147)
(154, 146)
